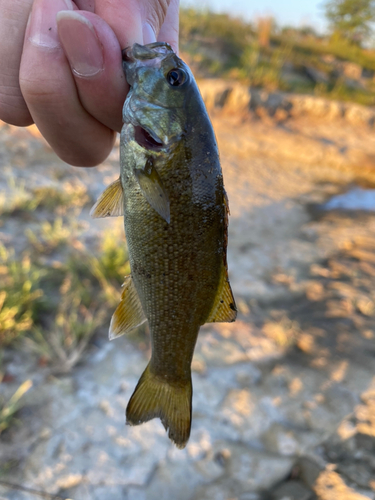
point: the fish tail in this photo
(154, 397)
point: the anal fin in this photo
(129, 313)
(224, 309)
(110, 203)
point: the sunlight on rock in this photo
(338, 374)
(240, 402)
(306, 343)
(295, 387)
(331, 486)
(346, 430)
(69, 481)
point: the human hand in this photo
(62, 69)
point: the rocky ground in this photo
(284, 398)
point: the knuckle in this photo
(156, 13)
(13, 109)
(36, 91)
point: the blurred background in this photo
(284, 398)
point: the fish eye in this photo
(176, 77)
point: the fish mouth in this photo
(137, 55)
(147, 140)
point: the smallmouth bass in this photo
(175, 209)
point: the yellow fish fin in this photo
(110, 203)
(154, 397)
(153, 190)
(224, 309)
(129, 313)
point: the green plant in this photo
(68, 334)
(262, 68)
(8, 409)
(20, 295)
(50, 236)
(352, 19)
(113, 256)
(88, 291)
(18, 198)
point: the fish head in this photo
(161, 88)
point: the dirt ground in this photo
(284, 398)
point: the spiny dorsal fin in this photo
(110, 203)
(153, 189)
(129, 313)
(224, 309)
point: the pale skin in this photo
(60, 67)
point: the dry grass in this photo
(21, 296)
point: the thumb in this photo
(141, 21)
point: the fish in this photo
(171, 195)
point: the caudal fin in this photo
(154, 397)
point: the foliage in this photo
(74, 323)
(265, 56)
(20, 294)
(351, 19)
(224, 38)
(81, 293)
(50, 236)
(264, 69)
(17, 198)
(8, 409)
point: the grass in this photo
(54, 307)
(89, 291)
(50, 236)
(21, 297)
(8, 409)
(71, 328)
(17, 198)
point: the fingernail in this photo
(43, 27)
(81, 44)
(148, 34)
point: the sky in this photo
(286, 12)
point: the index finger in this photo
(13, 21)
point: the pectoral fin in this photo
(129, 313)
(110, 203)
(224, 309)
(153, 189)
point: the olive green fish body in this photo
(176, 266)
(175, 211)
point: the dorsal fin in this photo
(110, 203)
(224, 309)
(129, 313)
